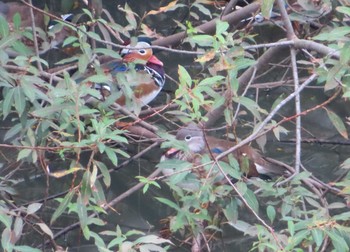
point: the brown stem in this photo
(209, 27)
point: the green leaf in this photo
(242, 187)
(5, 43)
(23, 154)
(210, 81)
(97, 78)
(345, 164)
(112, 155)
(344, 10)
(231, 211)
(266, 8)
(5, 219)
(21, 48)
(338, 242)
(18, 227)
(342, 216)
(333, 74)
(345, 54)
(249, 104)
(24, 248)
(99, 242)
(104, 171)
(169, 203)
(176, 169)
(98, 194)
(145, 188)
(62, 207)
(43, 112)
(313, 203)
(32, 208)
(277, 131)
(338, 123)
(29, 91)
(8, 100)
(94, 35)
(17, 21)
(221, 27)
(121, 152)
(202, 9)
(336, 34)
(228, 116)
(83, 62)
(202, 40)
(151, 247)
(82, 212)
(242, 226)
(278, 101)
(271, 213)
(242, 63)
(6, 239)
(184, 77)
(318, 236)
(300, 236)
(336, 205)
(251, 200)
(93, 175)
(291, 227)
(46, 229)
(130, 16)
(69, 40)
(151, 239)
(4, 27)
(86, 232)
(231, 169)
(86, 187)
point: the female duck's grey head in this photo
(193, 136)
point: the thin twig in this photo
(243, 94)
(35, 39)
(297, 110)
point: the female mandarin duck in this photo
(137, 78)
(45, 41)
(251, 163)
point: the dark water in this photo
(143, 212)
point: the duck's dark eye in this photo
(142, 51)
(188, 138)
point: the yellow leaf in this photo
(221, 65)
(162, 9)
(206, 57)
(345, 190)
(62, 173)
(148, 31)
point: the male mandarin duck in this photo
(251, 162)
(137, 77)
(48, 37)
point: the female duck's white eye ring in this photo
(188, 138)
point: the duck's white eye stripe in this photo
(124, 51)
